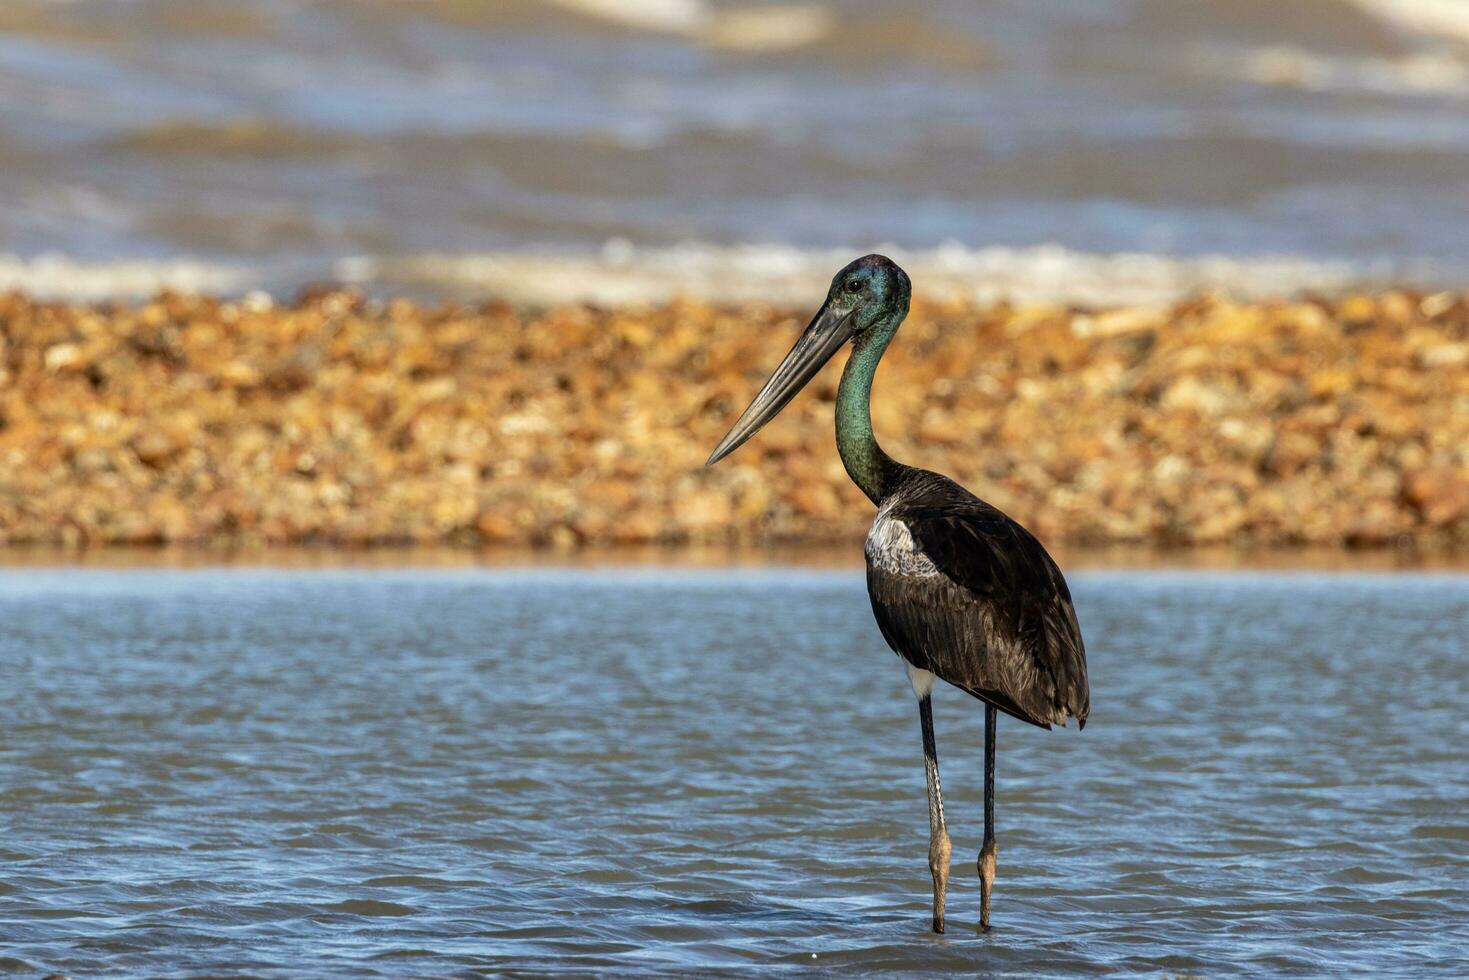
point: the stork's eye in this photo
(854, 285)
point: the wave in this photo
(1438, 18)
(55, 276)
(624, 274)
(1287, 66)
(673, 16)
(752, 29)
(786, 275)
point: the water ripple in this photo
(447, 773)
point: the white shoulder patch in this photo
(890, 546)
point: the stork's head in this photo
(866, 302)
(870, 290)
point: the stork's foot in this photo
(987, 857)
(939, 851)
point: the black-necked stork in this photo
(960, 591)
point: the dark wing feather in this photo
(982, 605)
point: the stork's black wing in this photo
(963, 591)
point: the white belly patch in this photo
(922, 680)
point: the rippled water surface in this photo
(367, 139)
(430, 773)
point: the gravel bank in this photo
(335, 419)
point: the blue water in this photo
(276, 773)
(289, 136)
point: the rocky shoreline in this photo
(339, 420)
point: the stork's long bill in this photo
(822, 338)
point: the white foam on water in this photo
(782, 274)
(625, 274)
(1425, 73)
(672, 16)
(55, 276)
(755, 28)
(1441, 18)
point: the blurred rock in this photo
(1440, 495)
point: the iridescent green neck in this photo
(866, 463)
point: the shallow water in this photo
(435, 771)
(290, 137)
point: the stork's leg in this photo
(939, 848)
(988, 851)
